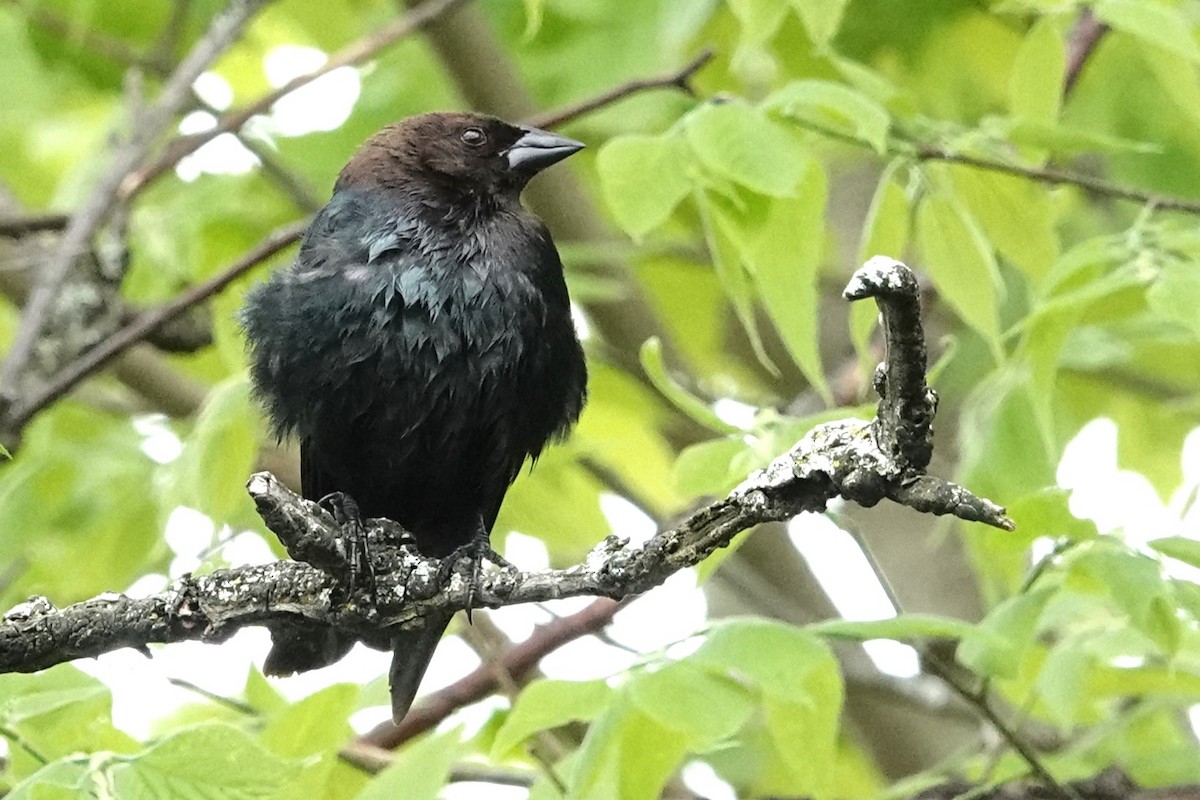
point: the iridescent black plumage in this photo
(421, 346)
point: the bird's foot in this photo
(478, 550)
(345, 512)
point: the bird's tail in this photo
(411, 652)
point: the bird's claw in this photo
(345, 512)
(478, 550)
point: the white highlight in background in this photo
(847, 578)
(323, 105)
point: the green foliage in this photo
(824, 132)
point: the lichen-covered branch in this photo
(860, 460)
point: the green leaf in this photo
(821, 18)
(885, 231)
(651, 358)
(1175, 296)
(962, 266)
(846, 109)
(204, 761)
(1016, 215)
(760, 19)
(1063, 139)
(1176, 76)
(535, 10)
(996, 646)
(1181, 548)
(643, 179)
(66, 779)
(418, 772)
(801, 691)
(1035, 87)
(546, 704)
(626, 755)
(900, 628)
(710, 468)
(1152, 22)
(703, 708)
(4, 454)
(218, 455)
(317, 725)
(746, 146)
(734, 279)
(778, 240)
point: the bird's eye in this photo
(473, 137)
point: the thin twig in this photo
(233, 121)
(150, 321)
(980, 703)
(222, 32)
(17, 226)
(679, 79)
(233, 703)
(1053, 177)
(1085, 36)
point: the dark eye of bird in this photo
(474, 137)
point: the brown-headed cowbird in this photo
(420, 347)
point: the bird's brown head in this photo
(460, 152)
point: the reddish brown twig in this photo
(483, 681)
(1085, 36)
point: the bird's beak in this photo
(538, 149)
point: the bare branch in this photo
(845, 458)
(150, 321)
(679, 79)
(224, 30)
(233, 121)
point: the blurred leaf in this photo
(1062, 139)
(58, 712)
(218, 455)
(822, 18)
(710, 468)
(4, 454)
(701, 708)
(1180, 548)
(1153, 22)
(546, 704)
(311, 731)
(962, 266)
(885, 231)
(535, 10)
(743, 144)
(1175, 295)
(644, 178)
(760, 19)
(626, 755)
(824, 101)
(731, 272)
(995, 647)
(206, 760)
(778, 240)
(1016, 215)
(801, 691)
(419, 770)
(901, 628)
(1035, 89)
(66, 779)
(651, 358)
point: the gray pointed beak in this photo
(538, 149)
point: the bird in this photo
(421, 348)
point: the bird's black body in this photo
(421, 345)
